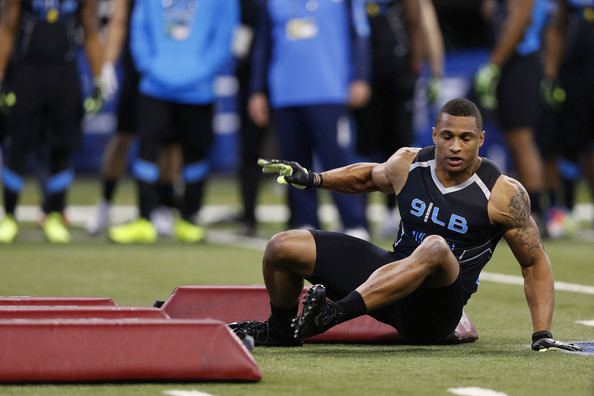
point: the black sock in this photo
(351, 306)
(280, 318)
(166, 194)
(109, 186)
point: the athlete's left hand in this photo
(542, 341)
(291, 172)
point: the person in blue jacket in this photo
(178, 47)
(310, 63)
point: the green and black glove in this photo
(542, 341)
(291, 172)
(7, 99)
(552, 93)
(485, 85)
(96, 100)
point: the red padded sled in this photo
(68, 350)
(49, 301)
(66, 312)
(238, 303)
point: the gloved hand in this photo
(109, 80)
(485, 85)
(542, 341)
(433, 89)
(291, 173)
(95, 102)
(7, 99)
(552, 93)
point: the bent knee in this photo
(285, 246)
(435, 246)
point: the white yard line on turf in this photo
(586, 322)
(78, 215)
(475, 391)
(185, 393)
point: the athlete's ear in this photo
(481, 138)
(434, 135)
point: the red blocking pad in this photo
(238, 303)
(66, 312)
(48, 301)
(68, 350)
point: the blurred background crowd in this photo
(174, 92)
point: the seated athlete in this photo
(455, 207)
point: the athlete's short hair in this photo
(462, 107)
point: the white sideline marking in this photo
(518, 280)
(475, 391)
(586, 322)
(185, 393)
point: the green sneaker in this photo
(137, 231)
(188, 232)
(8, 229)
(55, 230)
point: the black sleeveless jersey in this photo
(457, 213)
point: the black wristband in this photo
(320, 181)
(538, 335)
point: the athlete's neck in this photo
(449, 179)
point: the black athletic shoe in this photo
(318, 314)
(264, 335)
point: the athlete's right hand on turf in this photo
(291, 172)
(485, 85)
(542, 341)
(7, 99)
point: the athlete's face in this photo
(457, 141)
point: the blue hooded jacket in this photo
(182, 68)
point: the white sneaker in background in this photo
(162, 219)
(358, 232)
(100, 221)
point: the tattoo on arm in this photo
(526, 234)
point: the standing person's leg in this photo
(295, 144)
(65, 117)
(518, 98)
(197, 135)
(22, 124)
(333, 137)
(251, 138)
(154, 117)
(114, 161)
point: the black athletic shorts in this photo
(128, 99)
(518, 92)
(344, 262)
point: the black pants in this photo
(343, 263)
(46, 118)
(191, 126)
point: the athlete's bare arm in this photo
(9, 24)
(388, 177)
(93, 46)
(509, 207)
